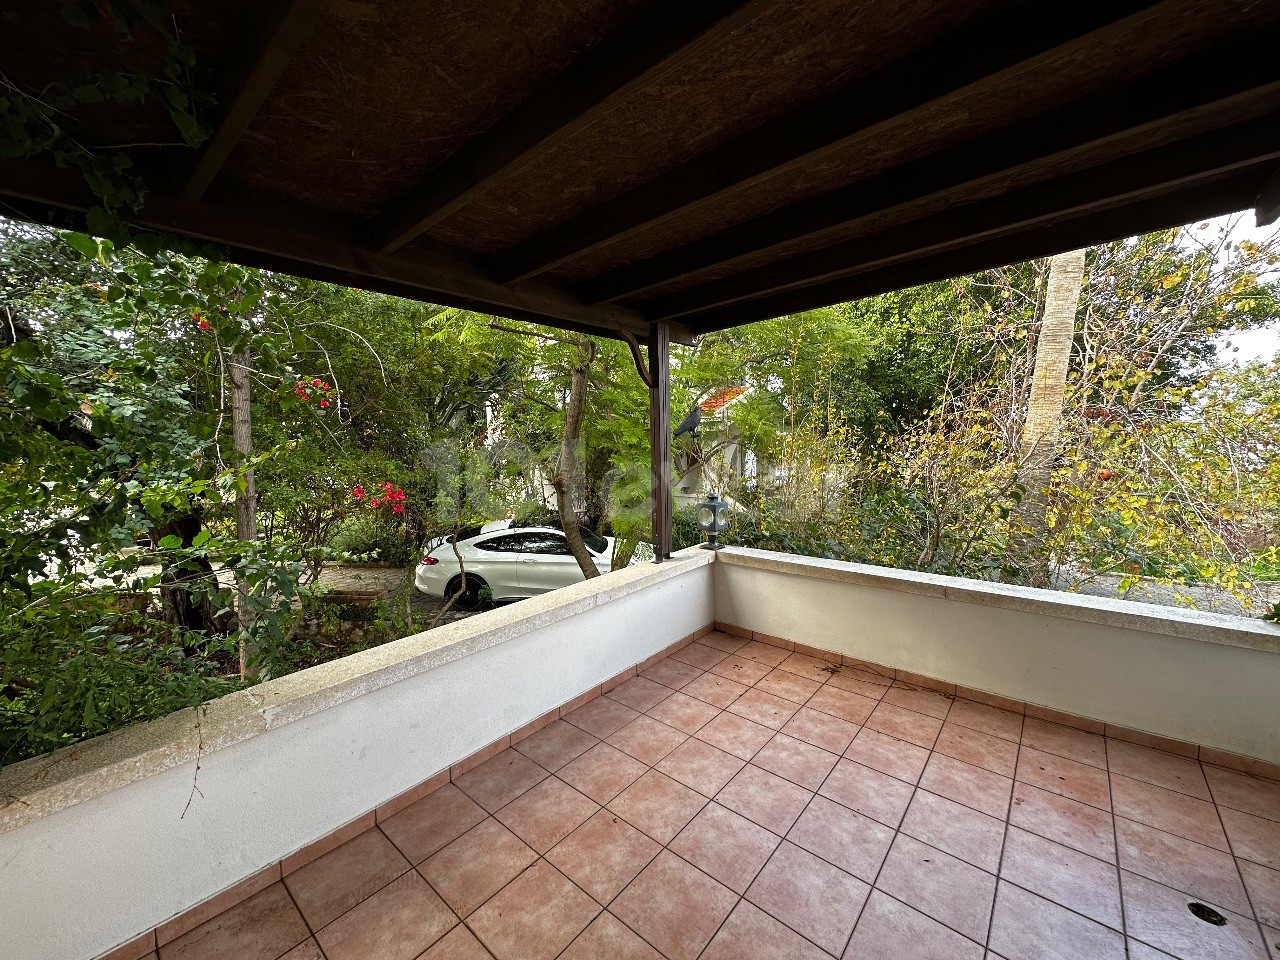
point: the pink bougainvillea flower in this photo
(315, 383)
(358, 491)
(375, 503)
(397, 508)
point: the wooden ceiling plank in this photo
(659, 40)
(248, 78)
(973, 53)
(1234, 74)
(1196, 202)
(283, 237)
(1145, 173)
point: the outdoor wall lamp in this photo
(713, 518)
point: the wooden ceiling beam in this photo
(1146, 173)
(248, 78)
(1223, 79)
(989, 46)
(661, 38)
(1196, 202)
(279, 236)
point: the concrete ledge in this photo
(43, 785)
(1126, 614)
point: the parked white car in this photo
(505, 560)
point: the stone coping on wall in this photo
(1127, 614)
(43, 785)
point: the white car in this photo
(505, 560)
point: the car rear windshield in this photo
(597, 543)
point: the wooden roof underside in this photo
(600, 164)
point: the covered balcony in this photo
(733, 754)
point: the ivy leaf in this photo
(84, 244)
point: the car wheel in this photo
(474, 597)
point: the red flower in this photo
(397, 508)
(202, 324)
(358, 491)
(324, 403)
(315, 383)
(375, 503)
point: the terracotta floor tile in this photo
(929, 702)
(500, 779)
(674, 906)
(1158, 915)
(260, 928)
(1272, 936)
(859, 681)
(1154, 766)
(813, 668)
(1079, 781)
(1239, 791)
(854, 843)
(980, 749)
(917, 728)
(940, 885)
(534, 917)
(701, 766)
(1191, 867)
(960, 831)
(699, 655)
(723, 641)
(789, 686)
(307, 950)
(845, 704)
(422, 828)
(640, 693)
(547, 813)
(603, 855)
(898, 758)
(726, 846)
(764, 708)
(556, 744)
(809, 895)
(1253, 838)
(736, 735)
(962, 782)
(987, 719)
(602, 772)
(716, 690)
(821, 729)
(1168, 810)
(763, 653)
(672, 673)
(399, 922)
(1069, 822)
(741, 670)
(869, 792)
(608, 938)
(795, 760)
(602, 716)
(751, 934)
(458, 944)
(1025, 925)
(657, 805)
(1064, 741)
(765, 798)
(684, 713)
(647, 740)
(1065, 876)
(890, 930)
(332, 885)
(1263, 885)
(477, 865)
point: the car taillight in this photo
(429, 561)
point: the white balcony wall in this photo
(1203, 678)
(330, 744)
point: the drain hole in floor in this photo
(1207, 914)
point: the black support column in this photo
(660, 436)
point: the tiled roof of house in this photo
(721, 398)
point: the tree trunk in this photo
(178, 605)
(246, 500)
(1040, 429)
(568, 478)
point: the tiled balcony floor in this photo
(736, 801)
